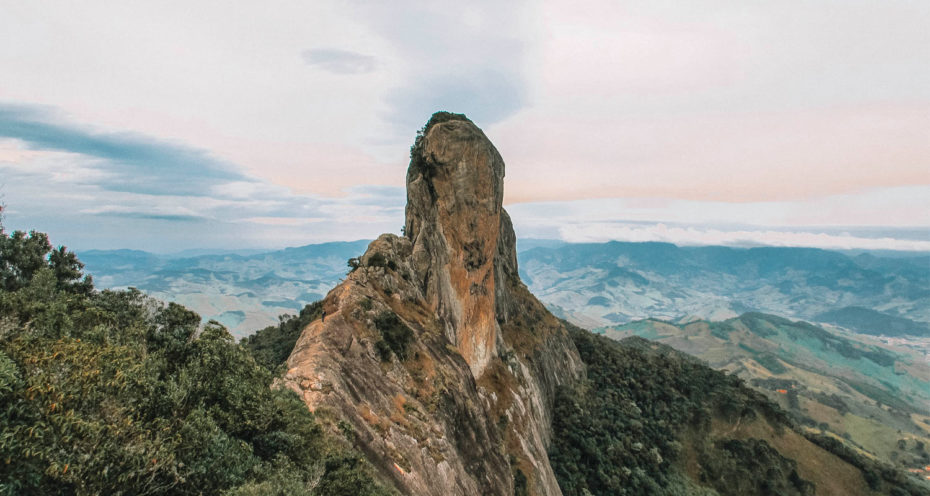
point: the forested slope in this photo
(651, 421)
(113, 392)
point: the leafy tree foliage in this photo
(23, 255)
(752, 466)
(272, 345)
(113, 392)
(620, 432)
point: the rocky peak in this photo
(434, 359)
(463, 242)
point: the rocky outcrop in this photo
(434, 358)
(455, 188)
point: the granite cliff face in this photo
(434, 358)
(454, 219)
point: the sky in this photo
(167, 126)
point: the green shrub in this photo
(395, 335)
(272, 345)
(379, 260)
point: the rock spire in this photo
(462, 238)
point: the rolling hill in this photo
(244, 292)
(874, 396)
(594, 285)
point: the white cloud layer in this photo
(700, 235)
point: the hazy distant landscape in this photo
(609, 283)
(591, 285)
(244, 292)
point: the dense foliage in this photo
(396, 337)
(620, 433)
(115, 393)
(272, 345)
(644, 406)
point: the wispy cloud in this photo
(381, 196)
(469, 59)
(100, 189)
(131, 162)
(339, 61)
(899, 220)
(702, 235)
(173, 214)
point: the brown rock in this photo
(465, 403)
(455, 187)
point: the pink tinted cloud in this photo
(733, 157)
(596, 232)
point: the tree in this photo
(22, 256)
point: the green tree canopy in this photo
(113, 392)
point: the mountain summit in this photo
(464, 248)
(433, 356)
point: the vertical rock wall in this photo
(455, 189)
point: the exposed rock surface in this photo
(461, 406)
(454, 192)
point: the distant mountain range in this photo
(601, 284)
(874, 395)
(591, 285)
(243, 292)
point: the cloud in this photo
(154, 216)
(73, 189)
(339, 61)
(283, 221)
(485, 96)
(469, 59)
(130, 162)
(167, 213)
(698, 235)
(390, 197)
(714, 103)
(882, 218)
(899, 207)
(602, 98)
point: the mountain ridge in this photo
(720, 282)
(864, 391)
(717, 298)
